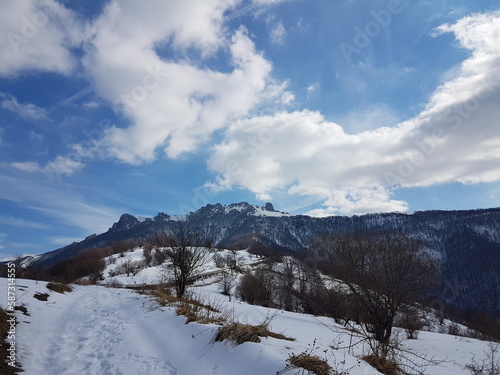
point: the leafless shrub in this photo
(148, 258)
(219, 260)
(158, 257)
(411, 322)
(226, 283)
(257, 287)
(489, 365)
(128, 267)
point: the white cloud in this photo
(24, 110)
(91, 105)
(312, 88)
(302, 153)
(351, 201)
(454, 139)
(61, 166)
(27, 166)
(37, 35)
(268, 2)
(278, 33)
(174, 105)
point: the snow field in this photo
(115, 331)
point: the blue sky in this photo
(321, 107)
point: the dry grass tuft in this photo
(192, 307)
(384, 365)
(83, 281)
(240, 333)
(161, 294)
(41, 296)
(311, 363)
(59, 288)
(197, 311)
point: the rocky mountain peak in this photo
(126, 221)
(269, 207)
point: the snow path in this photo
(98, 331)
(90, 343)
(85, 336)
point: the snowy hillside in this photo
(117, 331)
(467, 243)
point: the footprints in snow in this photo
(88, 341)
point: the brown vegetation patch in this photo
(41, 296)
(5, 368)
(59, 288)
(162, 295)
(311, 363)
(189, 306)
(23, 309)
(240, 333)
(384, 365)
(196, 311)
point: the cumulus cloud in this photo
(454, 139)
(304, 154)
(172, 105)
(38, 36)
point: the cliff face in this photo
(467, 243)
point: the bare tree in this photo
(186, 250)
(286, 283)
(383, 272)
(258, 287)
(226, 283)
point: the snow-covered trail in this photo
(85, 335)
(98, 331)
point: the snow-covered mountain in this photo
(466, 243)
